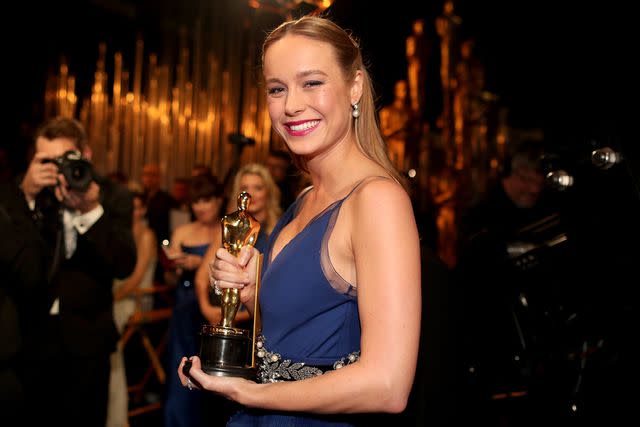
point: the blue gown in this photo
(183, 407)
(309, 313)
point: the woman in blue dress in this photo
(340, 294)
(255, 179)
(189, 243)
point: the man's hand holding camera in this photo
(82, 195)
(39, 175)
(81, 201)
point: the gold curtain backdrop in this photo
(175, 114)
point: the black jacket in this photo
(22, 280)
(83, 283)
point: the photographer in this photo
(85, 224)
(509, 287)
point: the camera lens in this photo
(77, 171)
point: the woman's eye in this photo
(313, 83)
(275, 90)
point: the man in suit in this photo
(22, 277)
(514, 306)
(86, 230)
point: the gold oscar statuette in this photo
(226, 350)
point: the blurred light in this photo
(411, 173)
(523, 300)
(560, 180)
(604, 158)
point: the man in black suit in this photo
(22, 277)
(86, 230)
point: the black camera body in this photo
(77, 170)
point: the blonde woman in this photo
(256, 180)
(340, 294)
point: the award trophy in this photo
(224, 349)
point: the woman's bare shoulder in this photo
(377, 191)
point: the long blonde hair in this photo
(367, 132)
(273, 192)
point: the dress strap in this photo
(298, 202)
(334, 278)
(338, 202)
(362, 181)
(304, 192)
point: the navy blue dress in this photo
(183, 407)
(309, 313)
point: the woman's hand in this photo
(228, 271)
(228, 387)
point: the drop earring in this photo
(356, 111)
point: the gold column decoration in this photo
(447, 26)
(176, 114)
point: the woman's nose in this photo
(294, 103)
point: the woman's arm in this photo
(146, 253)
(387, 260)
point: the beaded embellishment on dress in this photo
(273, 369)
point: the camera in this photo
(77, 170)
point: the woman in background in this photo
(124, 305)
(256, 180)
(189, 243)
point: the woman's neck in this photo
(334, 172)
(208, 224)
(202, 232)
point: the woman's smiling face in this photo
(309, 100)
